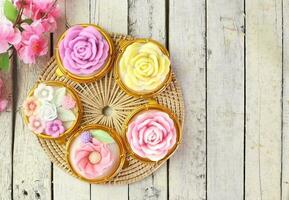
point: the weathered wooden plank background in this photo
(230, 57)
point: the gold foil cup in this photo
(122, 47)
(143, 109)
(79, 113)
(117, 139)
(94, 76)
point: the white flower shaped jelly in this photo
(52, 110)
(47, 111)
(44, 92)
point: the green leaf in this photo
(58, 96)
(10, 11)
(65, 115)
(4, 61)
(28, 21)
(102, 136)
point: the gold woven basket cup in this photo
(116, 138)
(122, 47)
(142, 109)
(95, 76)
(79, 111)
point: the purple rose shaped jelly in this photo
(83, 50)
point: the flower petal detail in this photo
(83, 50)
(152, 134)
(143, 67)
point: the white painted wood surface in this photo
(285, 130)
(225, 99)
(31, 167)
(6, 124)
(231, 58)
(263, 100)
(187, 44)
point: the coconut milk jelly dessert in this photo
(144, 67)
(152, 134)
(84, 52)
(94, 154)
(52, 110)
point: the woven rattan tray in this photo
(95, 97)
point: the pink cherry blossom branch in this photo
(52, 7)
(18, 17)
(34, 19)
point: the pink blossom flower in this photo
(68, 102)
(54, 128)
(36, 125)
(44, 8)
(46, 12)
(3, 105)
(152, 134)
(36, 9)
(30, 106)
(94, 158)
(3, 101)
(26, 4)
(33, 43)
(8, 35)
(49, 24)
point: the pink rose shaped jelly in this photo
(151, 134)
(83, 50)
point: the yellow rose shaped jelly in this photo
(144, 67)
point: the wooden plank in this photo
(6, 119)
(111, 15)
(31, 167)
(225, 99)
(65, 186)
(285, 141)
(68, 187)
(147, 19)
(263, 99)
(187, 168)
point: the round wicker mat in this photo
(105, 93)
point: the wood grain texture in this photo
(225, 99)
(285, 130)
(65, 186)
(227, 94)
(147, 19)
(68, 187)
(6, 124)
(31, 167)
(111, 15)
(6, 120)
(263, 99)
(187, 168)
